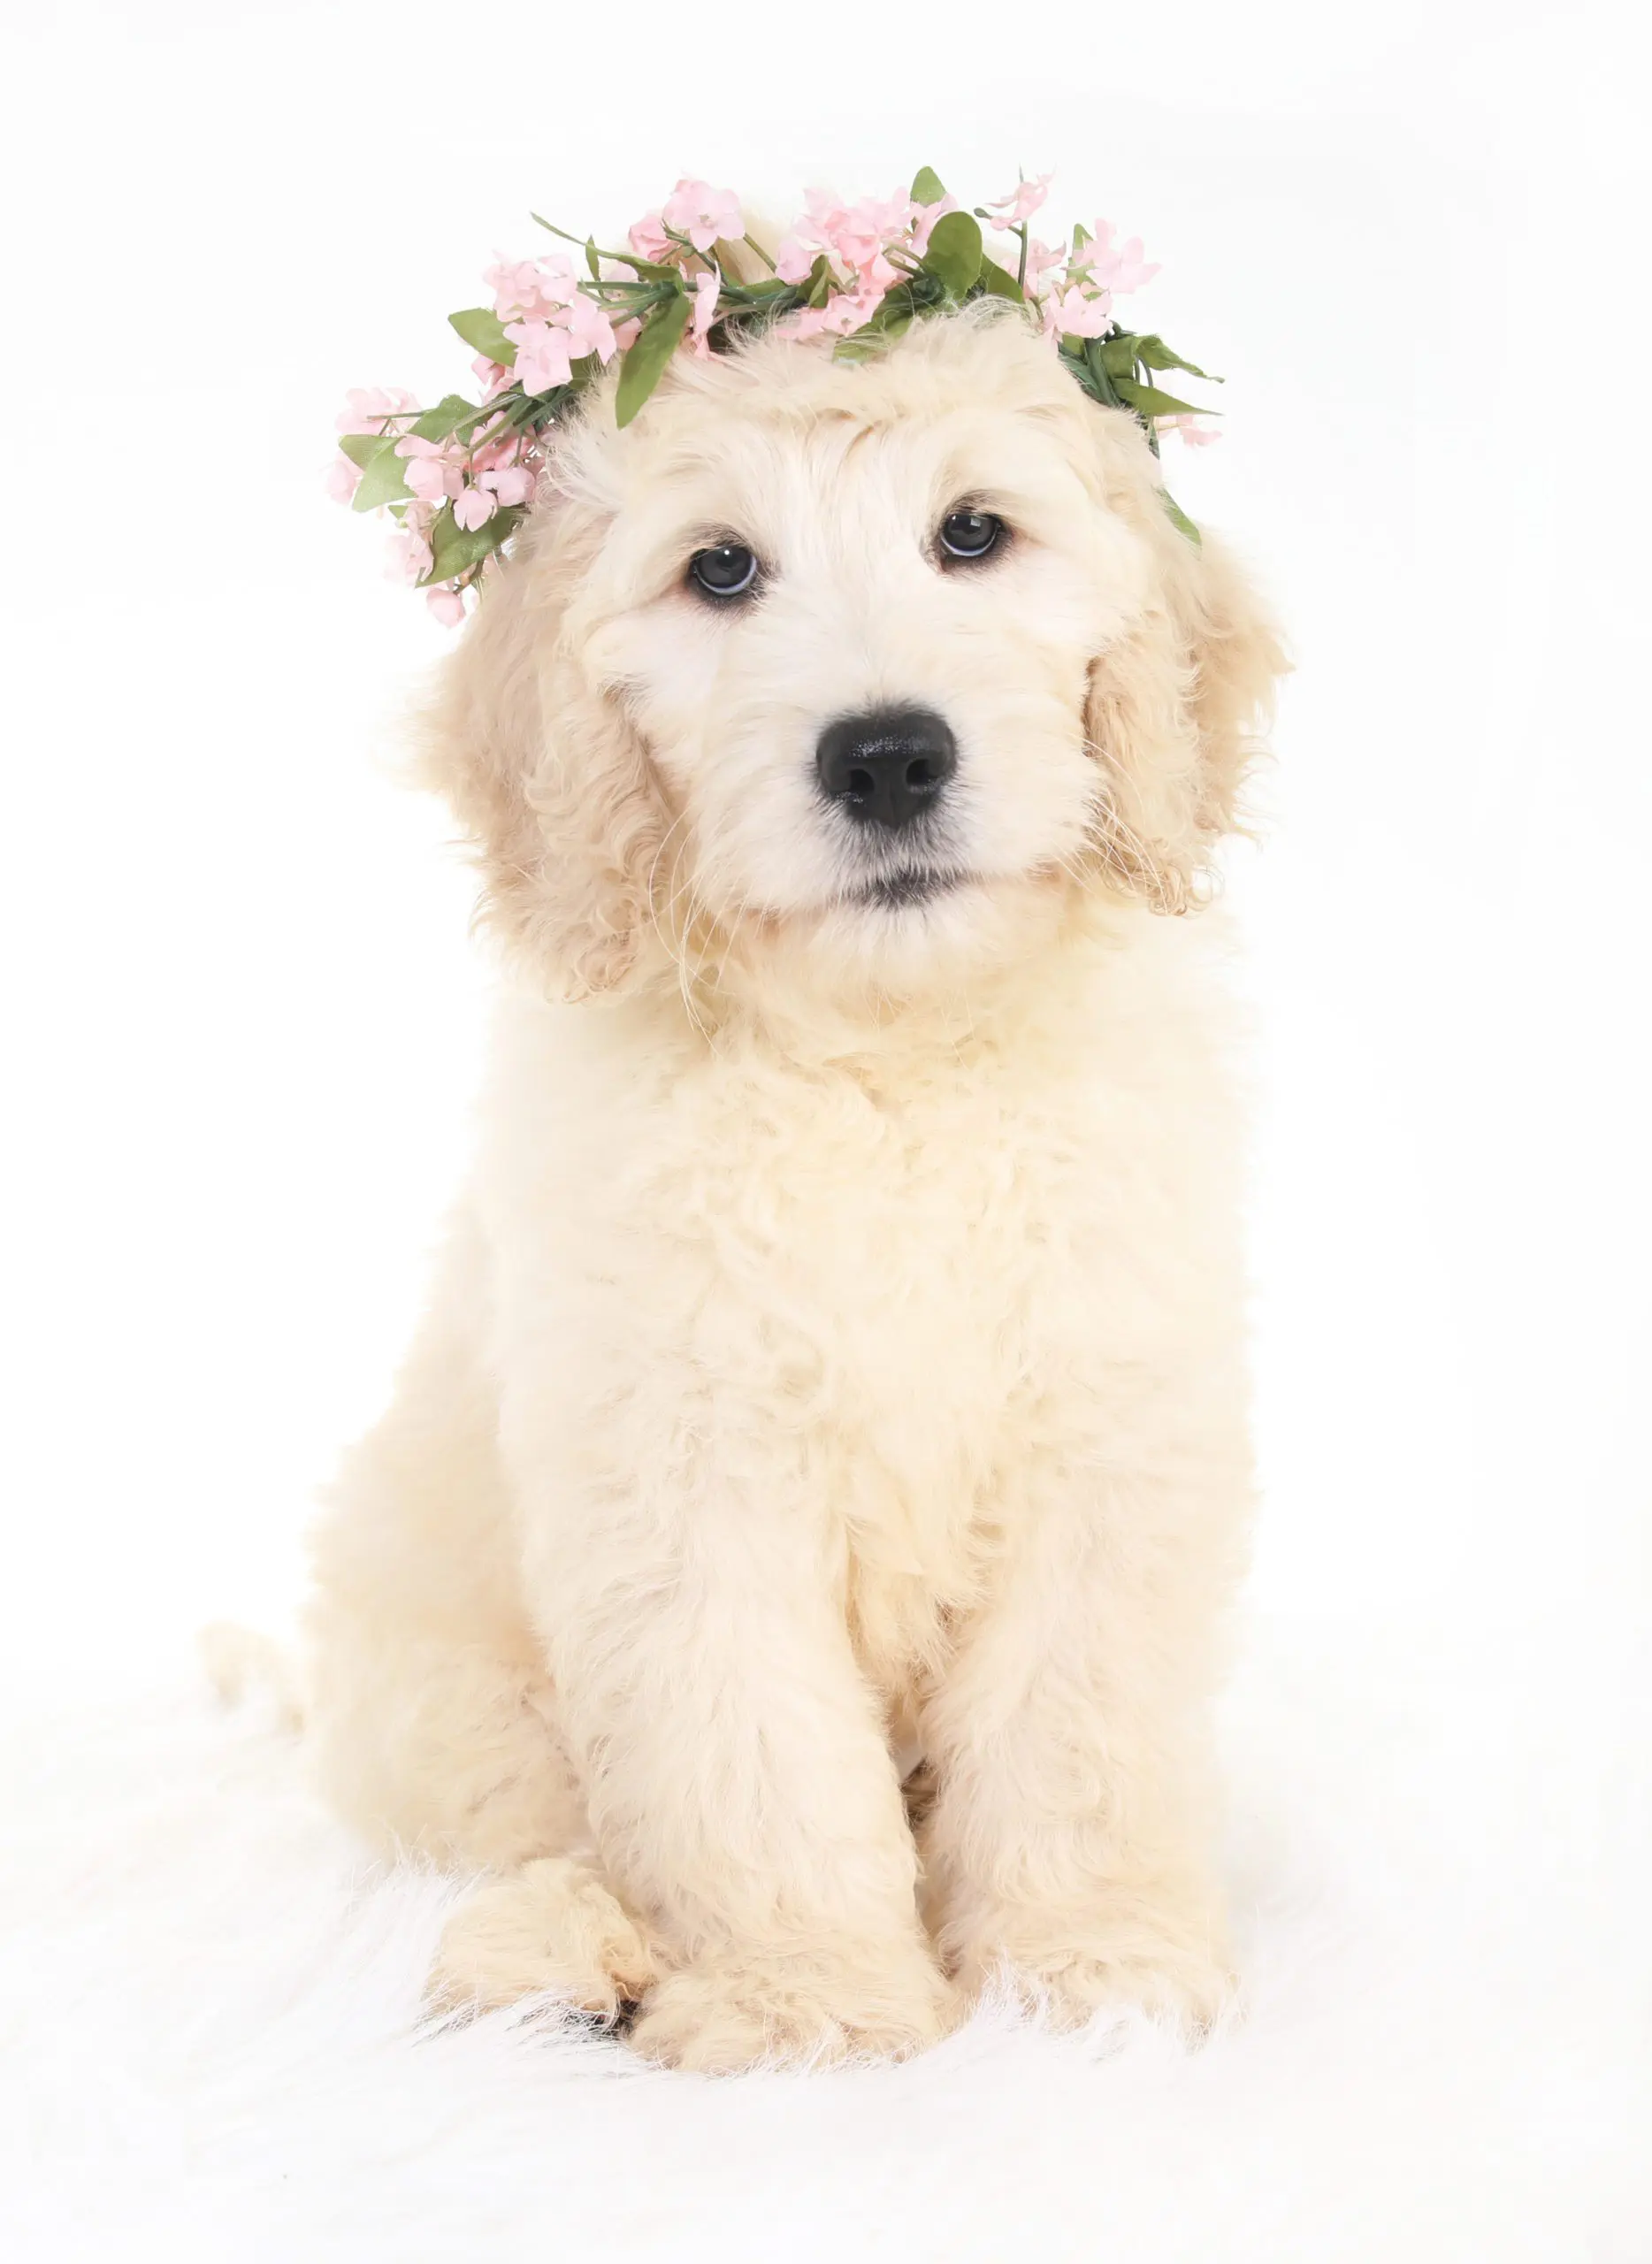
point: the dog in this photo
(793, 1567)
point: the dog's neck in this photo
(1037, 987)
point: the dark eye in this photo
(970, 534)
(728, 571)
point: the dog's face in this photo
(859, 653)
(865, 655)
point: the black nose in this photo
(886, 767)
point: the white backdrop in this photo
(241, 1035)
(243, 1009)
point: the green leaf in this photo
(480, 327)
(1153, 350)
(1148, 402)
(647, 357)
(892, 315)
(895, 310)
(592, 261)
(649, 270)
(927, 187)
(997, 282)
(1180, 516)
(1081, 236)
(362, 447)
(954, 253)
(442, 422)
(819, 281)
(455, 549)
(1121, 354)
(1101, 384)
(873, 336)
(381, 478)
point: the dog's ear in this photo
(1178, 704)
(547, 777)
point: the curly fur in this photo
(793, 1563)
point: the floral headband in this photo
(457, 478)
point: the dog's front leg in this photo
(1067, 1847)
(740, 1784)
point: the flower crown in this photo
(457, 478)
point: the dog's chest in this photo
(893, 1269)
(869, 1302)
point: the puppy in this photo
(792, 1565)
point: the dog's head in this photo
(885, 659)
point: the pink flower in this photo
(1041, 261)
(494, 375)
(530, 290)
(542, 357)
(1118, 270)
(430, 480)
(514, 484)
(1013, 209)
(367, 406)
(843, 311)
(588, 328)
(431, 471)
(648, 240)
(1069, 314)
(794, 258)
(1195, 434)
(473, 508)
(627, 334)
(706, 290)
(490, 450)
(923, 220)
(446, 604)
(343, 479)
(410, 558)
(702, 213)
(852, 236)
(857, 234)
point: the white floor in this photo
(1442, 1869)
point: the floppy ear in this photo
(547, 777)
(1176, 711)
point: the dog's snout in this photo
(886, 767)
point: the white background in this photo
(242, 1006)
(242, 1016)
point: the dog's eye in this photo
(970, 534)
(727, 571)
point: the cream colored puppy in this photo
(792, 1564)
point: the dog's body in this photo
(835, 1378)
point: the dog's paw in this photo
(552, 1926)
(1070, 1967)
(804, 2009)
